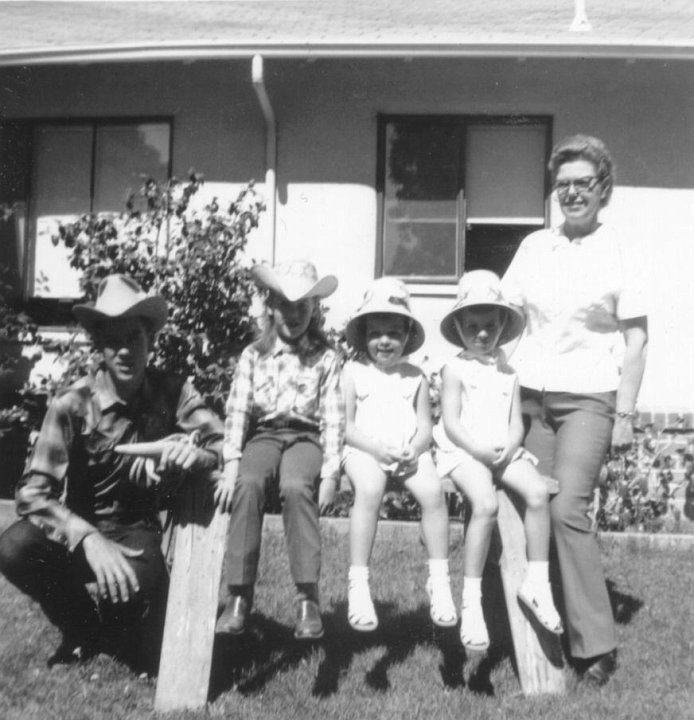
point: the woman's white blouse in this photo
(573, 292)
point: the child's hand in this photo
(326, 494)
(505, 456)
(487, 454)
(225, 486)
(387, 455)
(408, 459)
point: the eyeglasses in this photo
(580, 185)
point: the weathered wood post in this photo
(186, 656)
(538, 652)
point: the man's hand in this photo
(224, 491)
(183, 456)
(115, 578)
(326, 494)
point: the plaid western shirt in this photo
(74, 478)
(281, 387)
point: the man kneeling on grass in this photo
(87, 546)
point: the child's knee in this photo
(485, 507)
(431, 498)
(368, 496)
(537, 497)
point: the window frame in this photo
(58, 311)
(462, 122)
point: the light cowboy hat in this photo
(482, 287)
(118, 297)
(385, 296)
(294, 280)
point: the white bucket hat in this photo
(482, 287)
(385, 296)
(120, 296)
(294, 280)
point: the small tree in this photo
(193, 257)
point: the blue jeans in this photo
(570, 435)
(290, 460)
(56, 578)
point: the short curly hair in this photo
(585, 147)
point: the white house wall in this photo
(326, 166)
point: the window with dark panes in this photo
(458, 192)
(54, 171)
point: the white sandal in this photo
(539, 601)
(441, 606)
(473, 629)
(361, 612)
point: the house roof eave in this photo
(121, 53)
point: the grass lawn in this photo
(404, 670)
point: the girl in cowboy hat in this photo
(479, 439)
(284, 425)
(388, 434)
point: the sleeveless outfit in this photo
(385, 404)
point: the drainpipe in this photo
(270, 147)
(580, 22)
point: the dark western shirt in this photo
(74, 479)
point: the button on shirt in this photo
(283, 387)
(75, 479)
(573, 292)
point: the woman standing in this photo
(578, 396)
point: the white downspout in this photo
(580, 22)
(270, 148)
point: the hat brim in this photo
(266, 277)
(154, 309)
(515, 321)
(354, 330)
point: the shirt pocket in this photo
(264, 395)
(307, 394)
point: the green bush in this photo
(193, 257)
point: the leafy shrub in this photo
(637, 488)
(193, 257)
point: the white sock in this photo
(472, 590)
(537, 574)
(358, 574)
(438, 568)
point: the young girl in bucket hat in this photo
(388, 434)
(479, 439)
(284, 428)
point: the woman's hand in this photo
(622, 434)
(224, 491)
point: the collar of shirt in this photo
(280, 347)
(491, 359)
(108, 399)
(561, 239)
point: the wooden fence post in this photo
(186, 657)
(538, 652)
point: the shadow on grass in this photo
(248, 661)
(624, 606)
(399, 634)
